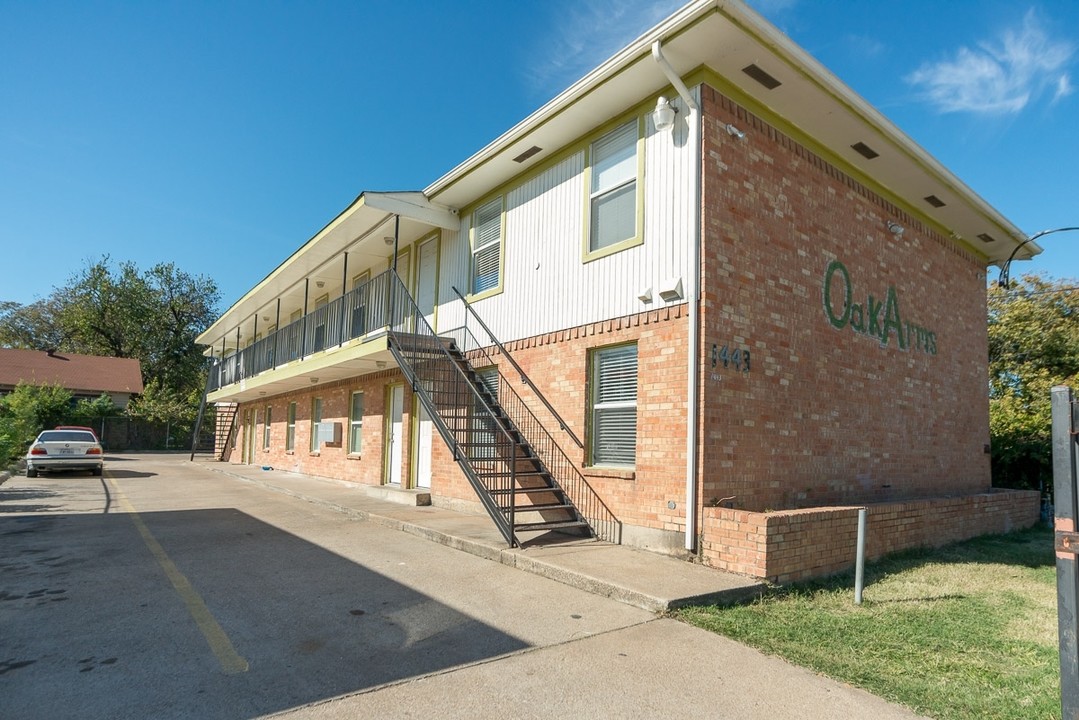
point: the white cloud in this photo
(865, 46)
(998, 77)
(592, 31)
(1064, 88)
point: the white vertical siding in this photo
(546, 285)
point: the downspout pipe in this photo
(673, 77)
(693, 303)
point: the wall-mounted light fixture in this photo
(388, 239)
(663, 115)
(320, 283)
(314, 380)
(735, 132)
(895, 228)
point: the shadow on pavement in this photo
(19, 498)
(92, 622)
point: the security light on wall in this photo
(895, 228)
(735, 132)
(663, 115)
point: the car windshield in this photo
(79, 436)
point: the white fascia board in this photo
(415, 206)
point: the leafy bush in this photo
(25, 412)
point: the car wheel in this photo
(31, 472)
(97, 471)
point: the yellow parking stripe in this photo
(231, 661)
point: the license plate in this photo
(67, 451)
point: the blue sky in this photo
(222, 135)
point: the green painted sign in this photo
(876, 318)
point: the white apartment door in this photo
(427, 280)
(424, 437)
(395, 433)
(402, 319)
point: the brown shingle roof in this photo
(82, 374)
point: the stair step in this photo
(519, 473)
(541, 507)
(557, 525)
(526, 491)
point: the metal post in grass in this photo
(1065, 464)
(859, 559)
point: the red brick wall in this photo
(828, 415)
(558, 363)
(332, 460)
(794, 545)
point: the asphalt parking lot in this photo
(164, 590)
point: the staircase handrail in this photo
(562, 424)
(607, 533)
(397, 288)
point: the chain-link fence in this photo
(126, 434)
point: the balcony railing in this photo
(353, 315)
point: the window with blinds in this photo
(266, 429)
(355, 423)
(486, 246)
(614, 406)
(316, 418)
(290, 428)
(613, 192)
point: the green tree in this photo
(163, 404)
(1033, 345)
(30, 327)
(87, 411)
(122, 311)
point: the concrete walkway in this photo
(635, 577)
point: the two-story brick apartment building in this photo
(705, 300)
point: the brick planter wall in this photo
(792, 545)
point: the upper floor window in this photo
(486, 246)
(612, 199)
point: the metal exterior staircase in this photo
(224, 427)
(224, 416)
(514, 482)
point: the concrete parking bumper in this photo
(639, 578)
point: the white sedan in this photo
(56, 450)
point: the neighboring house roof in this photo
(79, 373)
